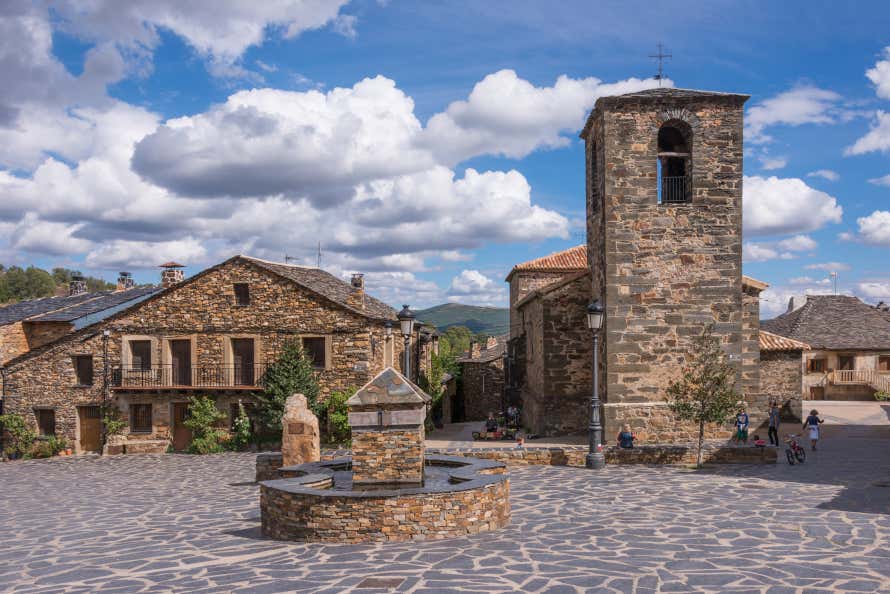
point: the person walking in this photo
(774, 422)
(811, 424)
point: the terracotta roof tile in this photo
(568, 260)
(774, 342)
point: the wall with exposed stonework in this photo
(750, 385)
(21, 337)
(482, 385)
(521, 284)
(387, 455)
(664, 271)
(203, 308)
(780, 377)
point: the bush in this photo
(41, 449)
(241, 436)
(883, 396)
(111, 418)
(291, 374)
(203, 420)
(21, 437)
(335, 417)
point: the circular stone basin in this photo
(317, 502)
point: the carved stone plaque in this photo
(296, 428)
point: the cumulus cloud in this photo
(779, 206)
(795, 107)
(471, 286)
(876, 140)
(220, 31)
(884, 180)
(509, 116)
(808, 280)
(873, 290)
(759, 252)
(828, 174)
(145, 254)
(769, 163)
(880, 75)
(774, 301)
(798, 243)
(48, 238)
(874, 229)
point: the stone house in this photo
(482, 379)
(214, 333)
(849, 340)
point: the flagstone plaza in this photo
(178, 523)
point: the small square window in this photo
(846, 362)
(242, 294)
(140, 418)
(316, 351)
(46, 421)
(83, 367)
(816, 366)
(884, 363)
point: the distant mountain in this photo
(491, 320)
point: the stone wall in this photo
(664, 271)
(20, 337)
(482, 385)
(521, 284)
(204, 310)
(653, 422)
(387, 455)
(558, 359)
(780, 381)
(750, 384)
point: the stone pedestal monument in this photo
(299, 435)
(387, 417)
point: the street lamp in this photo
(106, 334)
(595, 458)
(406, 321)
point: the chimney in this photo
(77, 286)
(475, 350)
(124, 281)
(171, 274)
(491, 343)
(356, 297)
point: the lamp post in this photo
(595, 458)
(406, 321)
(106, 334)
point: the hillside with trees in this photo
(21, 284)
(493, 321)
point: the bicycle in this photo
(795, 452)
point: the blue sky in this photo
(429, 145)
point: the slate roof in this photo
(327, 285)
(102, 302)
(834, 322)
(487, 355)
(16, 312)
(569, 260)
(389, 387)
(774, 342)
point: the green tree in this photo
(705, 392)
(21, 436)
(203, 420)
(431, 382)
(62, 276)
(335, 415)
(291, 374)
(241, 423)
(21, 284)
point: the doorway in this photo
(242, 357)
(181, 361)
(182, 435)
(90, 428)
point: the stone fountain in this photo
(388, 489)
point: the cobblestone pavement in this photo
(177, 523)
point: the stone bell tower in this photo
(664, 239)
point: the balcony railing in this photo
(184, 377)
(674, 190)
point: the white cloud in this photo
(808, 280)
(774, 301)
(771, 163)
(758, 252)
(455, 256)
(777, 206)
(43, 237)
(220, 31)
(884, 180)
(875, 228)
(874, 290)
(845, 236)
(798, 106)
(829, 266)
(145, 254)
(880, 75)
(877, 139)
(828, 174)
(473, 287)
(798, 243)
(507, 115)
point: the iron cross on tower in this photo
(660, 56)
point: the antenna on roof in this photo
(288, 258)
(660, 56)
(833, 276)
(318, 259)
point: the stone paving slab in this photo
(179, 523)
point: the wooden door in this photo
(242, 356)
(817, 393)
(181, 359)
(182, 435)
(90, 428)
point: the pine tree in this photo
(291, 374)
(705, 393)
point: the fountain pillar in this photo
(387, 419)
